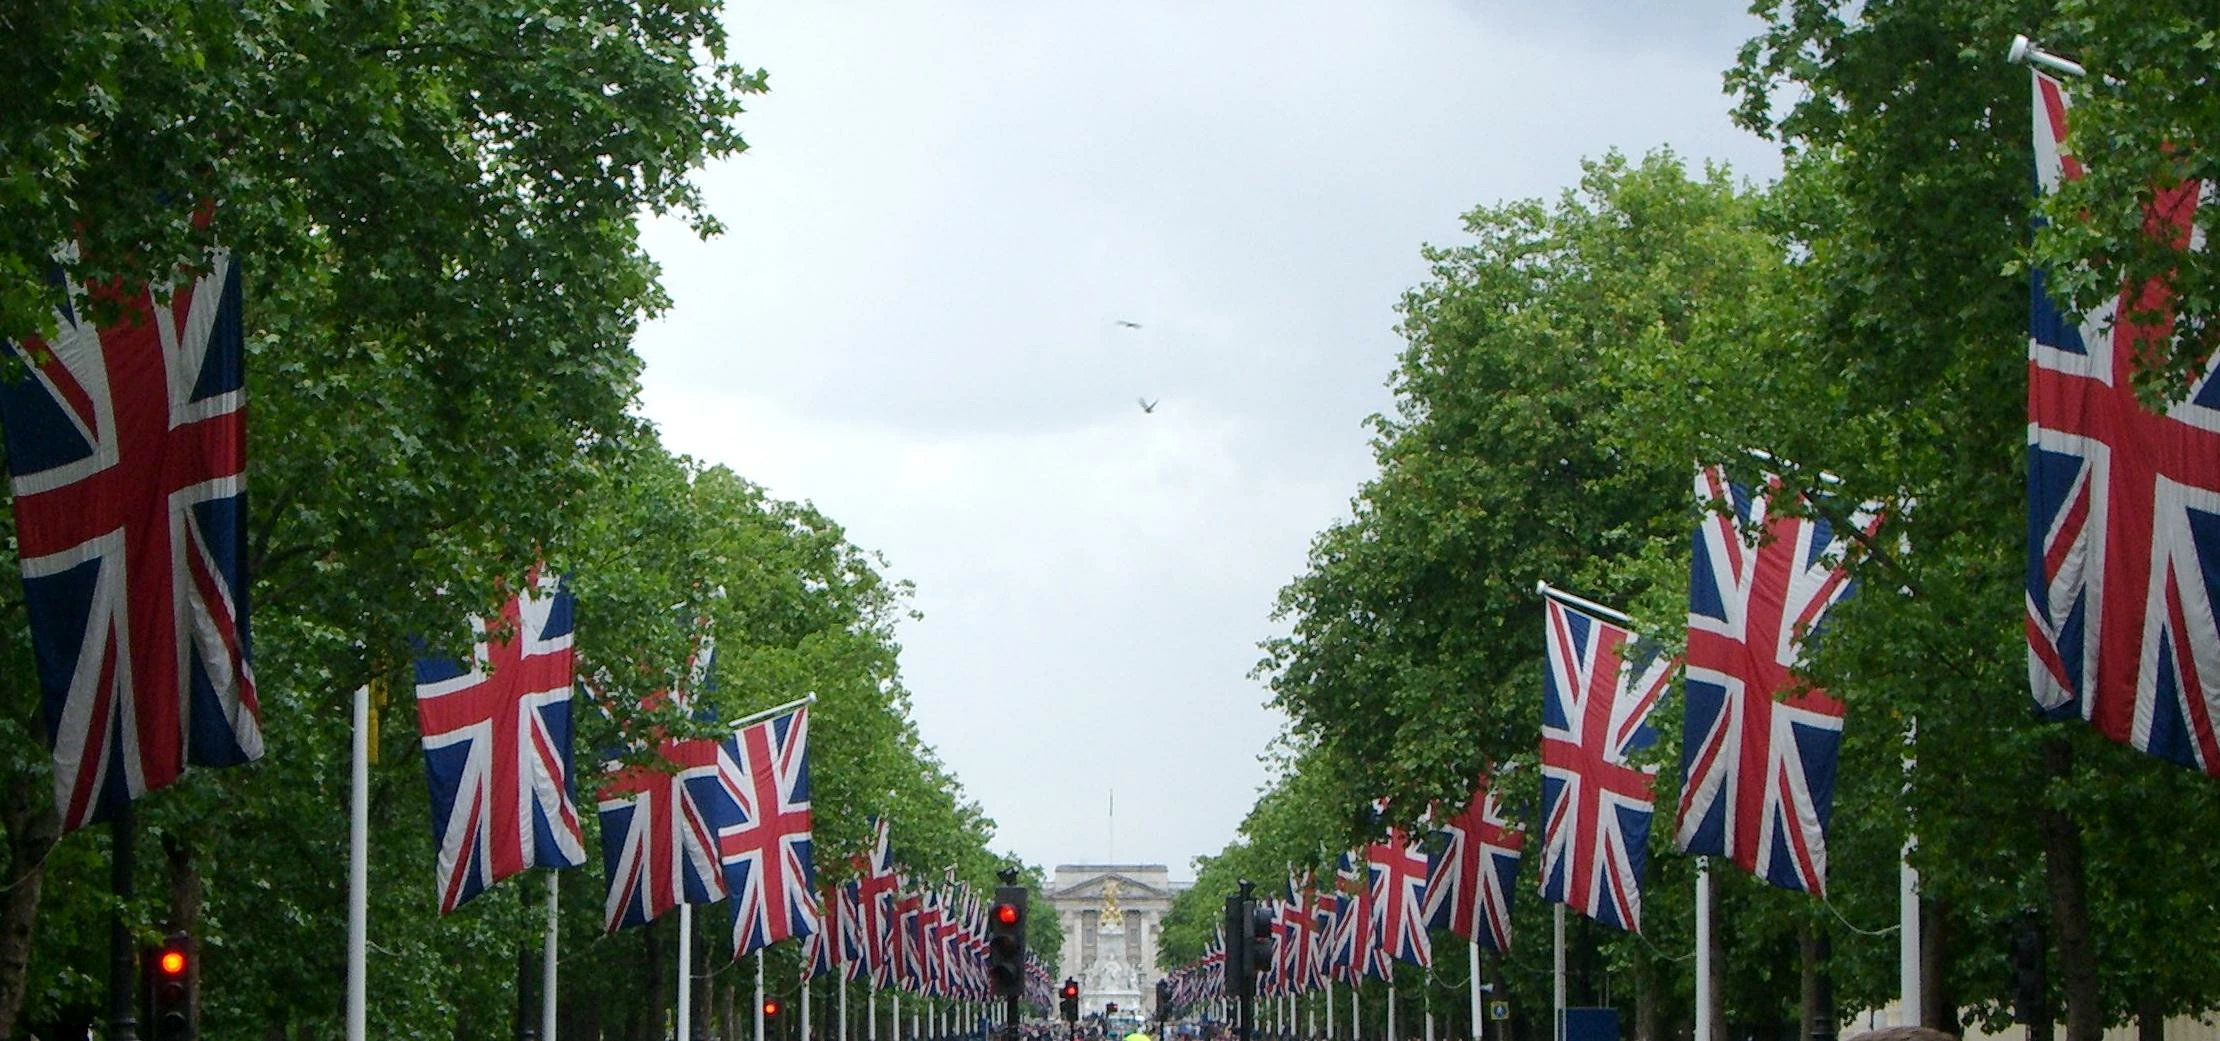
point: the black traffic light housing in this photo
(1068, 1003)
(1241, 964)
(1163, 1000)
(169, 989)
(1006, 943)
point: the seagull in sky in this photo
(1147, 405)
(1122, 323)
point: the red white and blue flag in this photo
(1354, 955)
(1470, 878)
(765, 844)
(1398, 876)
(2123, 539)
(1598, 690)
(876, 884)
(127, 446)
(497, 746)
(658, 842)
(1759, 745)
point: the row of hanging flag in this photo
(892, 932)
(1759, 769)
(2123, 628)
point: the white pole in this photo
(1703, 949)
(1907, 967)
(1391, 1035)
(894, 1019)
(1329, 1010)
(805, 1007)
(1356, 1011)
(685, 969)
(358, 873)
(1908, 993)
(547, 966)
(1473, 948)
(1557, 985)
(841, 981)
(1426, 998)
(871, 1014)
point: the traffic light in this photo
(1240, 973)
(770, 1009)
(170, 989)
(1260, 938)
(1070, 1000)
(1163, 999)
(1006, 943)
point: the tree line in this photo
(437, 206)
(1865, 316)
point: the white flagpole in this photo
(871, 1014)
(805, 1007)
(1557, 985)
(1329, 1010)
(547, 966)
(841, 981)
(1703, 949)
(893, 1019)
(1391, 1034)
(1909, 998)
(358, 873)
(685, 969)
(1426, 1000)
(1473, 947)
(759, 994)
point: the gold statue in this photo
(1111, 917)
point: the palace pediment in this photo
(1128, 889)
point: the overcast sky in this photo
(947, 208)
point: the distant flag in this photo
(876, 884)
(127, 447)
(1471, 876)
(1759, 745)
(1599, 688)
(763, 775)
(497, 746)
(2123, 546)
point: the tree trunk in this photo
(1941, 1011)
(1649, 1007)
(27, 811)
(647, 1024)
(2150, 1019)
(2069, 903)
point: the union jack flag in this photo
(1758, 767)
(658, 842)
(876, 883)
(909, 942)
(1355, 956)
(1469, 881)
(2123, 541)
(1598, 692)
(1398, 870)
(763, 778)
(838, 946)
(497, 747)
(127, 447)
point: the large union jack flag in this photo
(127, 446)
(497, 746)
(1598, 691)
(1398, 870)
(1759, 745)
(766, 849)
(2123, 540)
(1469, 889)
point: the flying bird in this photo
(1147, 405)
(1129, 325)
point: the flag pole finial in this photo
(2032, 53)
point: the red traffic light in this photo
(770, 1007)
(171, 963)
(1007, 914)
(1071, 990)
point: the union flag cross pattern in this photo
(1758, 767)
(766, 849)
(1398, 869)
(127, 447)
(1470, 879)
(658, 843)
(1599, 689)
(497, 747)
(2123, 540)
